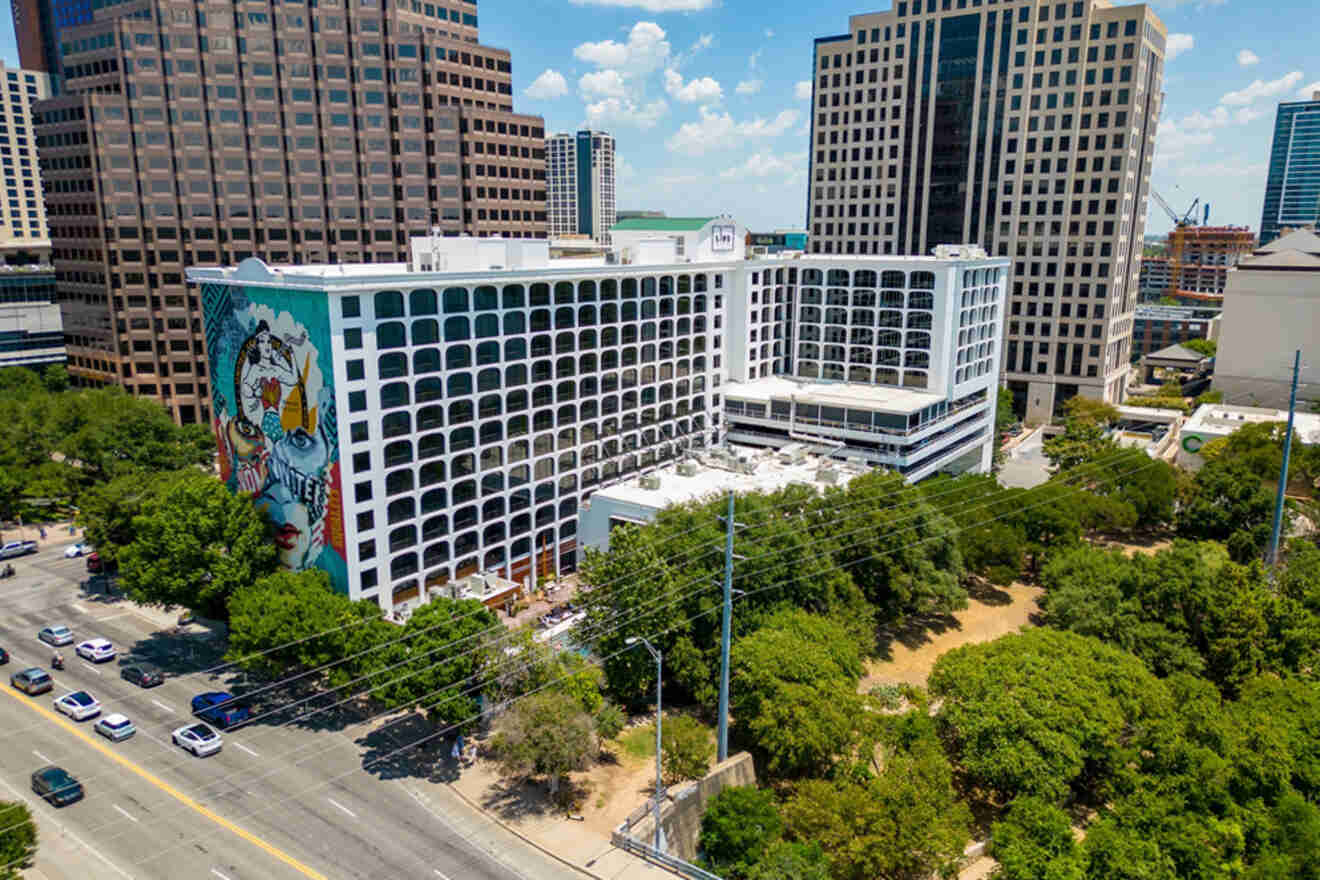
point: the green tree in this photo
(1226, 496)
(786, 860)
(1204, 347)
(904, 824)
(739, 824)
(1034, 841)
(794, 699)
(18, 839)
(195, 547)
(1043, 713)
(439, 663)
(609, 720)
(686, 747)
(289, 622)
(1083, 439)
(106, 511)
(56, 378)
(544, 735)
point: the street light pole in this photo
(659, 778)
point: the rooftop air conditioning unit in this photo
(650, 481)
(827, 475)
(687, 468)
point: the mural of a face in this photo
(296, 496)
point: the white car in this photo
(115, 727)
(74, 550)
(79, 705)
(96, 650)
(198, 738)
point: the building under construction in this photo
(1195, 271)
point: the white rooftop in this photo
(1219, 418)
(716, 473)
(846, 394)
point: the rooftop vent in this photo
(650, 481)
(687, 468)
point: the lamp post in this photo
(659, 778)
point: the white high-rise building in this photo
(407, 425)
(580, 184)
(23, 209)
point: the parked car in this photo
(142, 674)
(73, 551)
(79, 705)
(4, 656)
(32, 681)
(56, 786)
(219, 708)
(57, 634)
(17, 548)
(96, 565)
(115, 727)
(200, 739)
(96, 650)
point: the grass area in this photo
(638, 742)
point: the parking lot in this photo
(283, 798)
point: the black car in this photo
(56, 786)
(142, 674)
(4, 656)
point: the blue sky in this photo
(709, 104)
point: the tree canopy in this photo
(18, 839)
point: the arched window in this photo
(400, 509)
(426, 361)
(485, 299)
(892, 278)
(429, 417)
(394, 394)
(397, 482)
(457, 357)
(421, 302)
(456, 300)
(391, 334)
(923, 280)
(397, 453)
(402, 566)
(428, 475)
(460, 411)
(488, 353)
(431, 445)
(430, 388)
(460, 384)
(515, 350)
(514, 297)
(514, 322)
(389, 304)
(396, 424)
(392, 366)
(456, 329)
(488, 379)
(487, 326)
(425, 331)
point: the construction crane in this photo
(1186, 219)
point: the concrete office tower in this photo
(580, 184)
(1292, 189)
(30, 330)
(23, 210)
(1027, 128)
(409, 425)
(305, 134)
(35, 28)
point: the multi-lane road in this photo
(288, 801)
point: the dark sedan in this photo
(142, 674)
(56, 786)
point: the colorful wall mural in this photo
(272, 388)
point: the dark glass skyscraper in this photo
(1292, 190)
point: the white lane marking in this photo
(163, 706)
(112, 616)
(125, 813)
(42, 757)
(217, 873)
(91, 667)
(79, 608)
(342, 807)
(440, 874)
(245, 748)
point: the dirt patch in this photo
(991, 612)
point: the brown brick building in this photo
(193, 134)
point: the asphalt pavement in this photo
(276, 802)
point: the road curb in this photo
(518, 834)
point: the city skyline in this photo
(1228, 68)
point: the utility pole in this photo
(726, 634)
(1272, 555)
(659, 776)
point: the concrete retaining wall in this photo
(680, 816)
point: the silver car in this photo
(198, 738)
(57, 634)
(79, 705)
(115, 727)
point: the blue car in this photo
(219, 708)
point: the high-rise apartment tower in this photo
(1026, 127)
(580, 184)
(1292, 190)
(191, 134)
(22, 211)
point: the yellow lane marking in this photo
(169, 789)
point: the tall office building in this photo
(23, 210)
(1292, 190)
(1025, 127)
(580, 184)
(199, 135)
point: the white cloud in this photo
(603, 84)
(749, 87)
(1261, 89)
(550, 84)
(802, 91)
(647, 50)
(703, 90)
(1246, 57)
(1306, 92)
(766, 165)
(719, 131)
(624, 111)
(1174, 141)
(1178, 44)
(652, 5)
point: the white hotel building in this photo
(407, 425)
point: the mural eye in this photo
(300, 439)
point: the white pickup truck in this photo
(17, 548)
